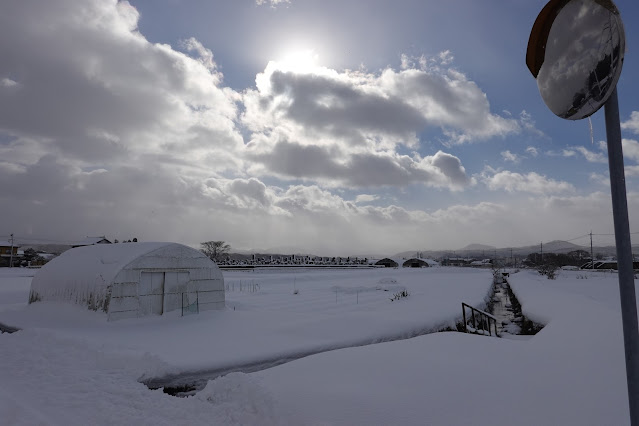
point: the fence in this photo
(481, 325)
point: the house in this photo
(89, 241)
(131, 280)
(8, 251)
(484, 263)
(455, 261)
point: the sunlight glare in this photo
(301, 61)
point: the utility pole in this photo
(11, 253)
(541, 252)
(592, 257)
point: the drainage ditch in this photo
(506, 308)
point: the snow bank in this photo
(571, 373)
(48, 380)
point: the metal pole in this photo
(11, 253)
(624, 254)
(592, 256)
(464, 314)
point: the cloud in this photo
(630, 149)
(599, 179)
(8, 83)
(366, 198)
(509, 156)
(336, 167)
(531, 182)
(632, 124)
(532, 151)
(273, 3)
(374, 109)
(590, 156)
(528, 123)
(81, 94)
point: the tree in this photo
(215, 250)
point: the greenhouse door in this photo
(151, 293)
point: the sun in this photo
(298, 61)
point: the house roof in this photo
(4, 243)
(91, 241)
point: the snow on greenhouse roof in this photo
(93, 266)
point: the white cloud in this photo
(531, 182)
(590, 156)
(599, 179)
(379, 110)
(79, 83)
(633, 123)
(509, 156)
(366, 198)
(630, 149)
(273, 3)
(532, 151)
(528, 123)
(8, 83)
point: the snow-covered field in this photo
(70, 366)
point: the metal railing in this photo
(481, 324)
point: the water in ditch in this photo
(505, 307)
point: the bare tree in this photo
(215, 250)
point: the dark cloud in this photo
(365, 169)
(341, 109)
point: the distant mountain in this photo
(477, 247)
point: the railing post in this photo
(464, 315)
(474, 323)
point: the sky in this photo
(329, 127)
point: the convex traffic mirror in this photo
(575, 52)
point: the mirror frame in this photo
(536, 50)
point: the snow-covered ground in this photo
(70, 366)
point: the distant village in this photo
(13, 255)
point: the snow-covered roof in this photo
(94, 266)
(397, 260)
(7, 244)
(429, 262)
(91, 240)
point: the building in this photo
(418, 262)
(387, 262)
(89, 241)
(132, 280)
(7, 252)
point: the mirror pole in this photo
(624, 254)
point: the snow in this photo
(332, 309)
(69, 366)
